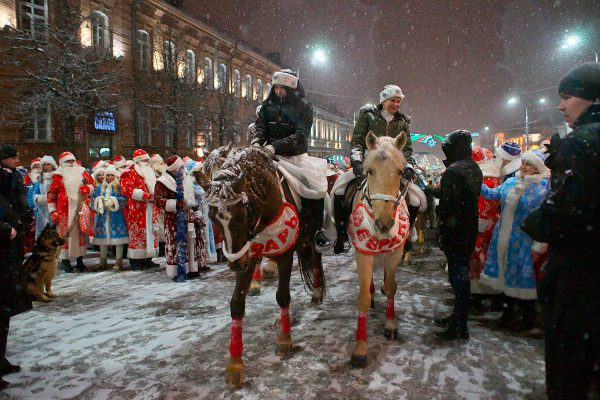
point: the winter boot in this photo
(65, 265)
(456, 330)
(161, 249)
(103, 264)
(3, 384)
(444, 322)
(150, 264)
(8, 368)
(80, 266)
(135, 264)
(322, 242)
(118, 265)
(340, 217)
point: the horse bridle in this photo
(251, 233)
(364, 186)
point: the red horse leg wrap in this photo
(361, 330)
(236, 346)
(390, 313)
(256, 275)
(284, 325)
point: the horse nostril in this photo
(381, 227)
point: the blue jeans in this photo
(458, 276)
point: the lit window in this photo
(190, 66)
(259, 90)
(143, 50)
(237, 86)
(100, 32)
(208, 73)
(222, 77)
(168, 54)
(249, 88)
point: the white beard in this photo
(46, 181)
(72, 179)
(147, 173)
(34, 175)
(188, 191)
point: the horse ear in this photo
(371, 140)
(401, 140)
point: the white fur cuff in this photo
(198, 214)
(539, 247)
(171, 205)
(483, 225)
(191, 227)
(113, 204)
(138, 194)
(41, 200)
(51, 207)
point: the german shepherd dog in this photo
(40, 267)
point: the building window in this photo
(39, 125)
(34, 17)
(222, 77)
(191, 135)
(168, 55)
(208, 73)
(268, 91)
(249, 88)
(237, 83)
(259, 90)
(100, 32)
(169, 128)
(142, 132)
(190, 67)
(143, 50)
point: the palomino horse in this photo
(257, 217)
(378, 228)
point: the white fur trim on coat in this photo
(138, 194)
(171, 205)
(41, 199)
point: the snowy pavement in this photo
(137, 335)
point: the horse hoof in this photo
(283, 348)
(234, 373)
(254, 291)
(51, 295)
(317, 297)
(45, 299)
(391, 334)
(358, 361)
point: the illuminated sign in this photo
(105, 122)
(431, 140)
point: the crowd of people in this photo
(518, 228)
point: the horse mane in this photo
(385, 149)
(231, 182)
(214, 159)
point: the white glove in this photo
(108, 202)
(270, 150)
(100, 205)
(483, 225)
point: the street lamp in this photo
(573, 41)
(319, 56)
(513, 101)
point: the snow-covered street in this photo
(137, 335)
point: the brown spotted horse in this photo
(378, 228)
(255, 211)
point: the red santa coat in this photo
(142, 216)
(67, 187)
(489, 213)
(165, 199)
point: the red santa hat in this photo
(98, 164)
(155, 159)
(477, 154)
(140, 155)
(36, 161)
(119, 161)
(174, 163)
(48, 160)
(66, 156)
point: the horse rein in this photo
(364, 185)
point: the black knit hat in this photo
(8, 151)
(582, 81)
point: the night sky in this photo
(456, 61)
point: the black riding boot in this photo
(322, 242)
(80, 266)
(341, 218)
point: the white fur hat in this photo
(48, 160)
(111, 170)
(390, 91)
(154, 159)
(535, 158)
(285, 77)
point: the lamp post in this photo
(513, 101)
(573, 41)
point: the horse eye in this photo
(370, 171)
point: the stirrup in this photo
(324, 247)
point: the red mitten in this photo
(147, 196)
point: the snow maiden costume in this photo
(110, 228)
(37, 199)
(509, 266)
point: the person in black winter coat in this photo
(283, 128)
(14, 218)
(568, 221)
(458, 218)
